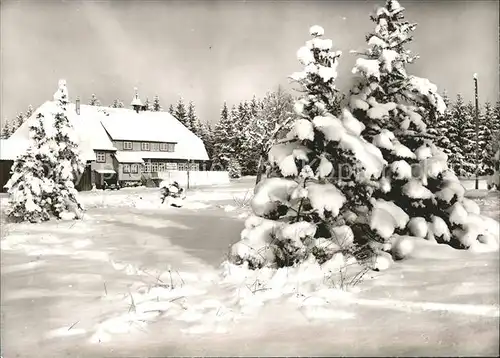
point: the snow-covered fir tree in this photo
(30, 186)
(42, 181)
(148, 105)
(304, 209)
(181, 113)
(156, 107)
(206, 135)
(117, 103)
(494, 179)
(486, 140)
(69, 162)
(29, 112)
(419, 192)
(94, 101)
(193, 121)
(234, 168)
(255, 105)
(6, 129)
(442, 129)
(18, 121)
(224, 137)
(461, 146)
(469, 138)
(496, 118)
(171, 110)
(247, 126)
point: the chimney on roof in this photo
(136, 102)
(77, 105)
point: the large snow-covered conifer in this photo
(69, 162)
(395, 108)
(320, 175)
(42, 181)
(29, 187)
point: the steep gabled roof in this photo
(87, 125)
(125, 124)
(11, 148)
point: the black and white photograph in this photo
(228, 178)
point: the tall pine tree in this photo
(194, 124)
(225, 133)
(18, 121)
(180, 112)
(486, 140)
(464, 163)
(69, 162)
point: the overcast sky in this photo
(211, 51)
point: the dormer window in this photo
(100, 157)
(127, 145)
(145, 146)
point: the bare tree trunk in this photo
(259, 170)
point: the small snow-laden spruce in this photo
(42, 182)
(396, 110)
(319, 182)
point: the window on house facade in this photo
(147, 167)
(100, 157)
(195, 166)
(154, 167)
(161, 167)
(126, 168)
(134, 168)
(182, 166)
(144, 146)
(167, 147)
(127, 145)
(155, 147)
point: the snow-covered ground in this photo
(135, 278)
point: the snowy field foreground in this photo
(134, 279)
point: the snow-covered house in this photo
(129, 145)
